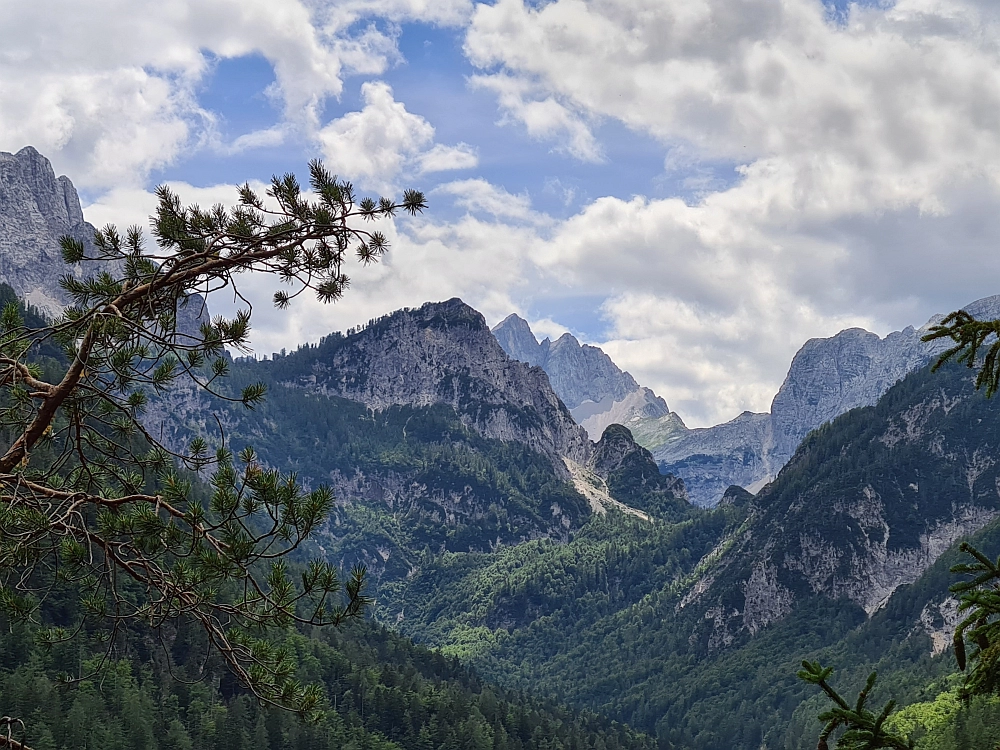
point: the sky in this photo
(696, 186)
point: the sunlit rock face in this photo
(826, 378)
(443, 353)
(36, 210)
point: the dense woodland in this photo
(382, 692)
(590, 617)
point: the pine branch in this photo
(863, 730)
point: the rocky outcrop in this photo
(866, 505)
(36, 210)
(596, 391)
(827, 378)
(444, 353)
(711, 459)
(629, 473)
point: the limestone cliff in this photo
(596, 391)
(443, 353)
(826, 378)
(867, 504)
(36, 209)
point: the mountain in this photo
(596, 391)
(443, 353)
(434, 441)
(36, 209)
(692, 627)
(827, 377)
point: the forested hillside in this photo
(689, 625)
(682, 622)
(382, 693)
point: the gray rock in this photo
(827, 377)
(596, 391)
(711, 459)
(443, 353)
(36, 210)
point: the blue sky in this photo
(698, 186)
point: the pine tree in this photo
(91, 501)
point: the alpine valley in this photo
(591, 572)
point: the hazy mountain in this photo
(596, 391)
(827, 377)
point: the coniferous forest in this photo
(208, 552)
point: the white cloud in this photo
(867, 152)
(478, 195)
(472, 259)
(443, 158)
(381, 141)
(480, 261)
(543, 117)
(108, 89)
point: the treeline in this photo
(382, 692)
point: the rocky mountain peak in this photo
(827, 377)
(444, 353)
(613, 449)
(515, 336)
(596, 391)
(36, 210)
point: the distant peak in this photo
(517, 339)
(987, 308)
(567, 339)
(512, 320)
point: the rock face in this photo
(711, 459)
(596, 391)
(36, 209)
(443, 353)
(621, 474)
(867, 504)
(827, 378)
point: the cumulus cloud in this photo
(476, 260)
(479, 260)
(863, 151)
(544, 117)
(377, 143)
(443, 158)
(866, 149)
(110, 92)
(479, 196)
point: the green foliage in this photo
(863, 729)
(979, 602)
(378, 692)
(90, 498)
(970, 337)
